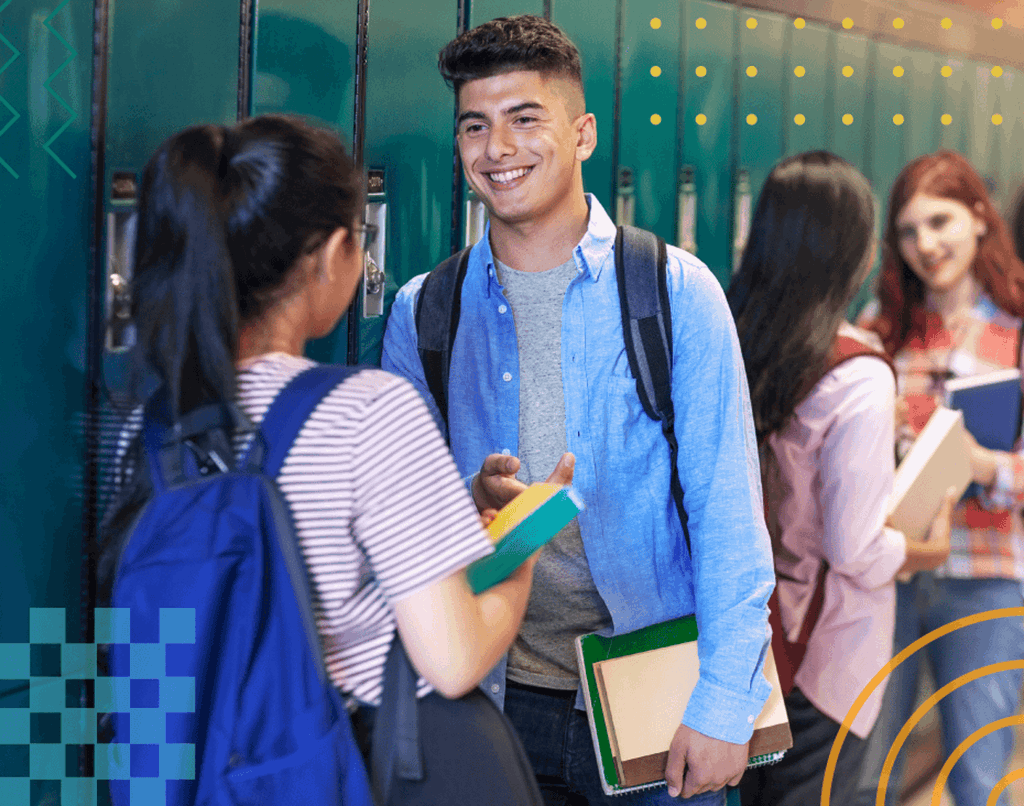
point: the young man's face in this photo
(522, 137)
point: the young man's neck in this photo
(542, 244)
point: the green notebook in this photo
(636, 689)
(529, 521)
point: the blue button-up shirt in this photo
(631, 531)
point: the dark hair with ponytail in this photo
(803, 264)
(224, 215)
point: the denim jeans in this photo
(925, 604)
(559, 745)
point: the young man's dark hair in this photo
(524, 42)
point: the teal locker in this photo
(646, 182)
(929, 115)
(759, 123)
(1010, 131)
(956, 100)
(850, 115)
(591, 26)
(45, 77)
(807, 115)
(893, 107)
(708, 87)
(410, 116)
(304, 64)
(983, 152)
(483, 10)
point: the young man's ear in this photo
(335, 249)
(586, 136)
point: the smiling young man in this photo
(539, 368)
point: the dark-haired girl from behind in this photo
(824, 428)
(250, 242)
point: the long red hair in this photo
(946, 175)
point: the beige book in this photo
(645, 695)
(937, 461)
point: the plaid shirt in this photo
(988, 533)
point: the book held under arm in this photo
(521, 527)
(991, 405)
(937, 461)
(636, 688)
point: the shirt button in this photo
(507, 377)
(750, 720)
(495, 688)
(506, 452)
(502, 308)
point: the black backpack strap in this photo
(437, 321)
(641, 261)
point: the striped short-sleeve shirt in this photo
(378, 505)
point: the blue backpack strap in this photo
(647, 330)
(437, 321)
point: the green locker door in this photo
(759, 71)
(708, 87)
(304, 64)
(808, 75)
(45, 199)
(930, 115)
(983, 153)
(851, 132)
(649, 80)
(956, 100)
(483, 10)
(591, 26)
(1007, 129)
(410, 117)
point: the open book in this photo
(937, 461)
(636, 689)
(521, 527)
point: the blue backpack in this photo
(217, 538)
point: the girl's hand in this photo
(983, 461)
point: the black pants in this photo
(797, 780)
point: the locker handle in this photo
(374, 267)
(687, 225)
(121, 220)
(741, 220)
(625, 199)
(475, 219)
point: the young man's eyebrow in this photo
(515, 110)
(470, 116)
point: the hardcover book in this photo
(636, 688)
(521, 527)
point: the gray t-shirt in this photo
(564, 603)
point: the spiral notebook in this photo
(636, 689)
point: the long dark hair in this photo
(946, 175)
(224, 215)
(804, 261)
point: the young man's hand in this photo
(698, 763)
(496, 483)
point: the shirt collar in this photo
(591, 252)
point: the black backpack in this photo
(641, 259)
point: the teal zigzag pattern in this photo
(61, 101)
(16, 53)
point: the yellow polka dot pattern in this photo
(751, 23)
(847, 119)
(799, 23)
(799, 120)
(997, 23)
(799, 72)
(655, 23)
(946, 71)
(751, 119)
(997, 71)
(897, 119)
(751, 71)
(897, 71)
(701, 71)
(655, 119)
(701, 119)
(897, 23)
(655, 71)
(946, 23)
(946, 119)
(701, 23)
(847, 71)
(997, 119)
(847, 23)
